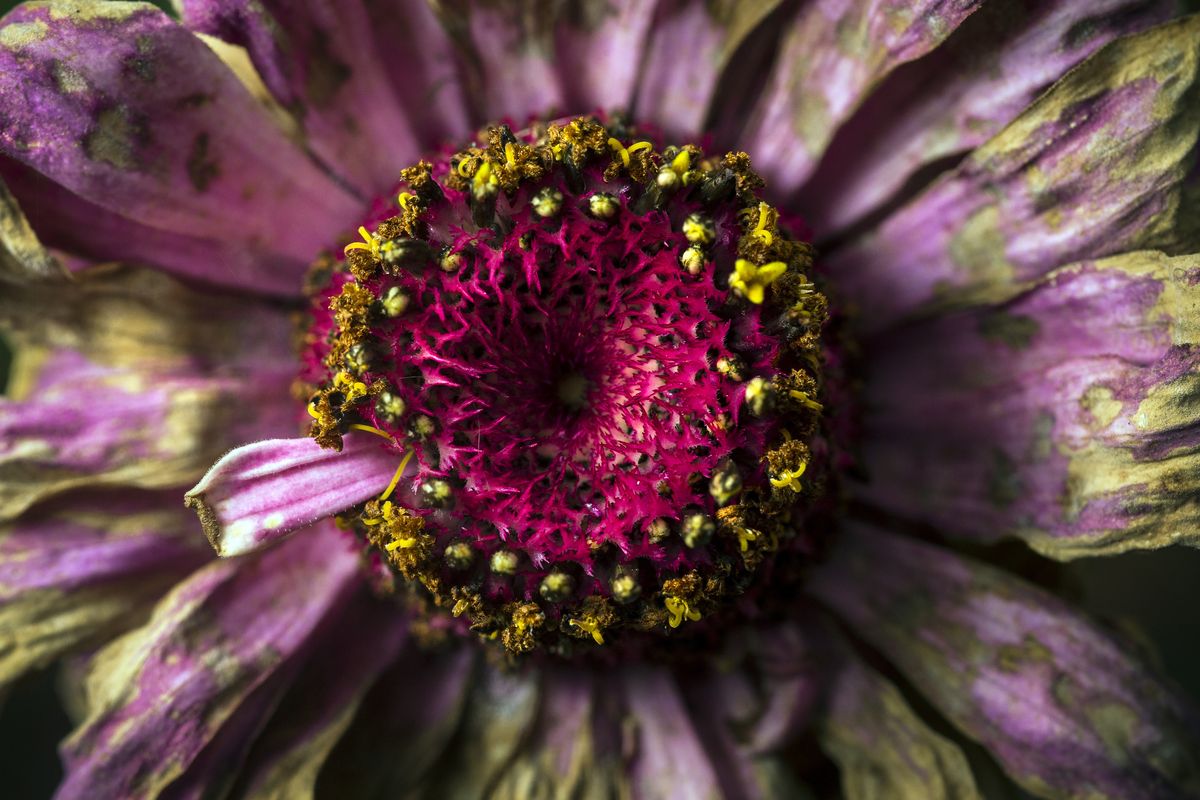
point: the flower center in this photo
(599, 365)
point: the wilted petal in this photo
(1057, 702)
(1091, 169)
(159, 695)
(832, 56)
(130, 111)
(575, 748)
(22, 257)
(669, 759)
(319, 61)
(404, 726)
(76, 571)
(956, 98)
(261, 492)
(501, 708)
(883, 748)
(321, 703)
(89, 425)
(1070, 416)
(690, 44)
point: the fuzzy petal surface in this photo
(1058, 702)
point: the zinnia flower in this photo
(579, 471)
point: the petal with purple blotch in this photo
(1069, 416)
(1057, 701)
(127, 109)
(1092, 169)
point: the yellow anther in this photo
(681, 163)
(460, 607)
(766, 216)
(751, 281)
(745, 537)
(369, 243)
(805, 400)
(404, 198)
(510, 154)
(679, 609)
(790, 479)
(626, 152)
(312, 411)
(589, 626)
(358, 426)
(396, 477)
(402, 543)
(463, 168)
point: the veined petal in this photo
(287, 756)
(831, 57)
(1070, 416)
(599, 48)
(261, 492)
(128, 110)
(319, 62)
(669, 759)
(1055, 700)
(956, 98)
(22, 257)
(159, 696)
(1092, 169)
(883, 748)
(77, 571)
(690, 44)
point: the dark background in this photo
(1156, 594)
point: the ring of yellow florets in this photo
(599, 365)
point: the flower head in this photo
(533, 476)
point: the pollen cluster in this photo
(599, 364)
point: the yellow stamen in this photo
(765, 217)
(626, 152)
(396, 478)
(368, 243)
(745, 536)
(790, 479)
(751, 280)
(404, 198)
(589, 626)
(679, 609)
(312, 411)
(510, 154)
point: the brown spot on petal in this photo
(68, 79)
(202, 169)
(326, 74)
(114, 138)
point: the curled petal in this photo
(1067, 416)
(1093, 168)
(261, 492)
(22, 257)
(1057, 702)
